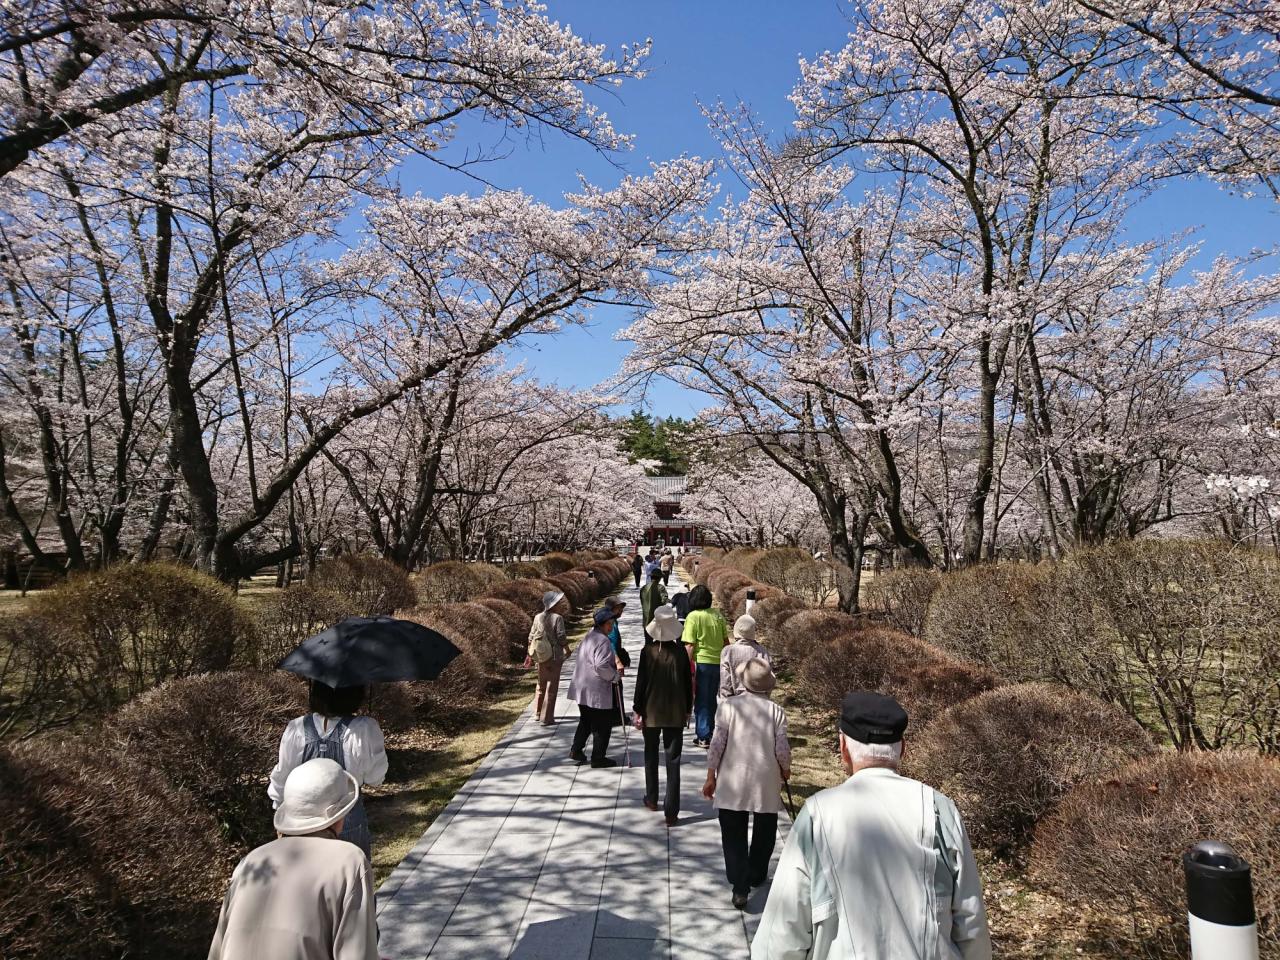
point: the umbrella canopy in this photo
(364, 650)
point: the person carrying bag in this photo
(548, 649)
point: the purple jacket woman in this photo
(592, 688)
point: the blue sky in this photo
(748, 50)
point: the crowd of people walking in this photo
(879, 866)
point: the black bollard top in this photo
(751, 594)
(1219, 886)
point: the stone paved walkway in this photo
(537, 857)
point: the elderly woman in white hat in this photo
(662, 703)
(303, 896)
(548, 649)
(738, 654)
(748, 759)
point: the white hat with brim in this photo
(317, 795)
(551, 598)
(757, 676)
(665, 625)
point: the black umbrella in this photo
(364, 650)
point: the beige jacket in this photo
(299, 898)
(748, 753)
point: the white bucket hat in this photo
(665, 625)
(317, 795)
(757, 676)
(551, 598)
(744, 628)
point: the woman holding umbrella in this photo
(333, 730)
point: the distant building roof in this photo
(666, 489)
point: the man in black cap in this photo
(879, 866)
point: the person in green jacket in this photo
(652, 595)
(704, 634)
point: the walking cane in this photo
(626, 736)
(791, 803)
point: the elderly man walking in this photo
(879, 866)
(306, 895)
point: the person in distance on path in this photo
(652, 595)
(305, 895)
(748, 760)
(637, 566)
(592, 688)
(548, 649)
(879, 866)
(738, 654)
(663, 700)
(665, 563)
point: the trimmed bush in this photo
(923, 679)
(100, 858)
(365, 586)
(743, 559)
(522, 571)
(554, 563)
(1007, 756)
(1119, 842)
(723, 583)
(704, 570)
(817, 582)
(125, 629)
(471, 627)
(772, 612)
(525, 594)
(217, 736)
(513, 621)
(738, 602)
(450, 581)
(771, 568)
(991, 614)
(807, 630)
(576, 591)
(901, 597)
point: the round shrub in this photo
(554, 563)
(808, 630)
(521, 571)
(289, 616)
(990, 614)
(513, 621)
(525, 594)
(129, 627)
(470, 627)
(100, 858)
(816, 582)
(576, 591)
(771, 568)
(606, 577)
(738, 602)
(771, 612)
(704, 571)
(217, 736)
(901, 597)
(1006, 757)
(923, 679)
(723, 583)
(450, 581)
(365, 586)
(743, 559)
(1119, 842)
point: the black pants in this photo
(597, 724)
(666, 576)
(637, 573)
(747, 868)
(672, 742)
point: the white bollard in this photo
(1220, 903)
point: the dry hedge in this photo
(807, 630)
(514, 622)
(521, 570)
(123, 630)
(771, 568)
(723, 583)
(771, 613)
(450, 581)
(1006, 757)
(216, 736)
(738, 602)
(923, 679)
(901, 597)
(100, 858)
(1119, 842)
(577, 591)
(366, 586)
(473, 628)
(525, 594)
(554, 563)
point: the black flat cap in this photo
(872, 717)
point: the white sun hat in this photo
(665, 625)
(551, 598)
(317, 795)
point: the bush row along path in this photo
(536, 857)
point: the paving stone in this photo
(407, 931)
(556, 932)
(491, 907)
(604, 948)
(472, 948)
(708, 934)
